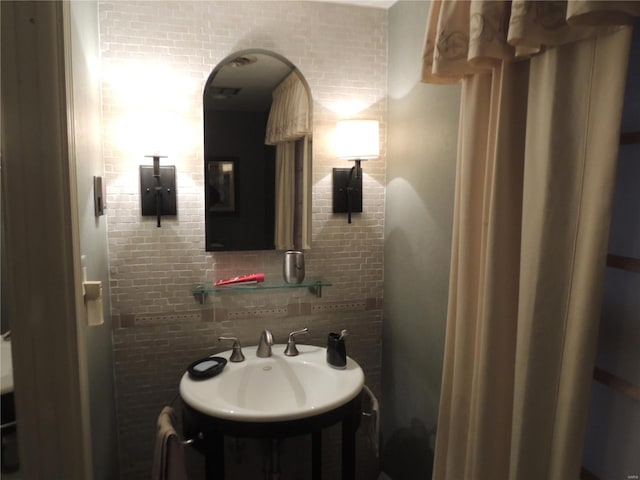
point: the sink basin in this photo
(276, 388)
(6, 381)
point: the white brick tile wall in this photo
(156, 58)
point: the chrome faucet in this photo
(264, 347)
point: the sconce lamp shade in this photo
(357, 139)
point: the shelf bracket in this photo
(200, 296)
(316, 289)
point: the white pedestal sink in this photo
(276, 388)
(274, 397)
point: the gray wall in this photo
(85, 58)
(422, 137)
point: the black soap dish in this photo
(206, 367)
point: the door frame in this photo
(41, 229)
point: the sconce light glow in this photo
(357, 139)
(152, 105)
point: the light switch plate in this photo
(98, 196)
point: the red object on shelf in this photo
(242, 279)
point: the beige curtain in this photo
(542, 90)
(285, 196)
(306, 184)
(289, 117)
(289, 121)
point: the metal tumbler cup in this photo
(293, 266)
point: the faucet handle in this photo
(292, 350)
(236, 354)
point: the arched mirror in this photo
(257, 147)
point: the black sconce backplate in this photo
(340, 183)
(148, 190)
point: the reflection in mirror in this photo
(257, 146)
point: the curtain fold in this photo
(535, 175)
(305, 193)
(285, 196)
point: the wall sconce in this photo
(157, 189)
(356, 140)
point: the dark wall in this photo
(240, 135)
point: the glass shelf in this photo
(314, 284)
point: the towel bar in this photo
(8, 424)
(191, 441)
(374, 413)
